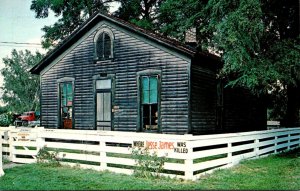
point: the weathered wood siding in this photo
(203, 98)
(130, 56)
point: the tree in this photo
(257, 40)
(142, 13)
(176, 17)
(21, 90)
(73, 13)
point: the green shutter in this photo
(149, 90)
(145, 89)
(153, 89)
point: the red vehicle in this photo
(27, 118)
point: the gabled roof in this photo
(92, 21)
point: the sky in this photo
(18, 24)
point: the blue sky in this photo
(18, 24)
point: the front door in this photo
(103, 105)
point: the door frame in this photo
(104, 76)
(60, 81)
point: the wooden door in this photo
(103, 105)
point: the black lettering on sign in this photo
(138, 143)
(181, 144)
(181, 150)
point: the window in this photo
(104, 44)
(66, 105)
(149, 99)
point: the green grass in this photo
(278, 172)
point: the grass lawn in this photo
(277, 172)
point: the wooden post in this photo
(289, 142)
(1, 168)
(103, 165)
(40, 141)
(256, 148)
(229, 155)
(189, 163)
(10, 142)
(275, 145)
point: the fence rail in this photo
(188, 156)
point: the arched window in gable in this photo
(104, 44)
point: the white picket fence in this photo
(188, 156)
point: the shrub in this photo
(47, 157)
(5, 160)
(149, 164)
(6, 119)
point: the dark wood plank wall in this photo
(243, 111)
(131, 55)
(203, 99)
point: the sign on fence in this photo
(25, 135)
(176, 147)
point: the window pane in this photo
(146, 97)
(153, 96)
(145, 83)
(99, 106)
(99, 46)
(106, 107)
(69, 94)
(107, 46)
(145, 90)
(146, 115)
(103, 84)
(154, 114)
(153, 83)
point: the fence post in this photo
(275, 145)
(1, 167)
(229, 155)
(256, 149)
(189, 163)
(289, 141)
(10, 142)
(103, 165)
(40, 141)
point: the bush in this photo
(149, 165)
(47, 157)
(6, 119)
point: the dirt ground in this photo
(10, 165)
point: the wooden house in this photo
(112, 75)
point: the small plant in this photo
(47, 157)
(149, 164)
(5, 160)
